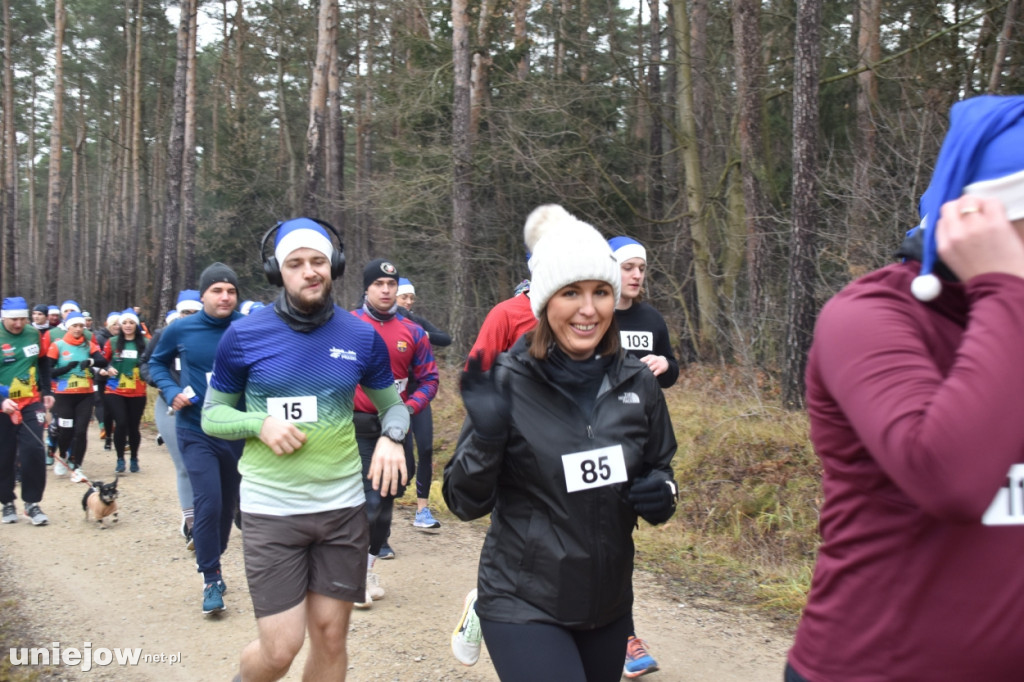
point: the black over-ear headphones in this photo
(272, 269)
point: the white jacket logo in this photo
(629, 398)
(343, 354)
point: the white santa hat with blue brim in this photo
(127, 314)
(564, 249)
(625, 248)
(301, 233)
(188, 299)
(981, 156)
(14, 307)
(405, 287)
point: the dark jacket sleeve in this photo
(144, 360)
(437, 337)
(470, 486)
(55, 372)
(663, 346)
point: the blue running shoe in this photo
(638, 661)
(386, 552)
(134, 466)
(119, 469)
(213, 598)
(425, 521)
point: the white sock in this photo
(370, 560)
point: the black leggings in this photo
(127, 414)
(422, 430)
(72, 412)
(520, 651)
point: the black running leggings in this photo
(520, 651)
(127, 414)
(72, 412)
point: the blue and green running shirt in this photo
(308, 379)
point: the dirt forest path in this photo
(135, 586)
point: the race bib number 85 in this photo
(594, 468)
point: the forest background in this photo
(765, 152)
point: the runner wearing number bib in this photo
(298, 364)
(72, 357)
(644, 336)
(567, 439)
(125, 389)
(913, 389)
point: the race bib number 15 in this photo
(594, 468)
(293, 409)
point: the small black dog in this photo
(101, 500)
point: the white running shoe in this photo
(77, 476)
(467, 637)
(58, 468)
(373, 587)
(364, 604)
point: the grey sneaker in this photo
(10, 513)
(36, 515)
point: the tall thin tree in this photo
(801, 306)
(51, 285)
(175, 165)
(462, 154)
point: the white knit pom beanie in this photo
(565, 250)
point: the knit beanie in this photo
(301, 233)
(625, 248)
(980, 156)
(405, 287)
(218, 272)
(15, 306)
(188, 299)
(40, 308)
(565, 250)
(377, 268)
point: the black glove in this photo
(86, 364)
(654, 498)
(487, 406)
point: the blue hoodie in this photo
(193, 340)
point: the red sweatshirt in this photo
(915, 413)
(502, 327)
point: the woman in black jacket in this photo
(567, 440)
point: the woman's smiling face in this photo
(579, 314)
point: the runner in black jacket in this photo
(566, 441)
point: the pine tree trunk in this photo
(175, 166)
(703, 259)
(188, 170)
(51, 285)
(317, 113)
(801, 307)
(749, 96)
(10, 281)
(461, 191)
